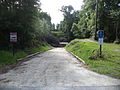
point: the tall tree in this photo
(108, 19)
(69, 17)
(25, 18)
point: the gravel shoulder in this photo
(55, 67)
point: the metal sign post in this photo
(100, 40)
(13, 39)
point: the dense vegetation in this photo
(104, 15)
(26, 18)
(32, 26)
(89, 52)
(70, 17)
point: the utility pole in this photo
(96, 26)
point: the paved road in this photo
(57, 68)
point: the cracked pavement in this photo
(57, 68)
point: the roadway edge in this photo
(81, 60)
(30, 56)
(6, 68)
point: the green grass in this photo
(7, 57)
(40, 49)
(89, 52)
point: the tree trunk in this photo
(117, 30)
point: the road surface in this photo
(54, 68)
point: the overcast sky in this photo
(52, 8)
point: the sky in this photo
(52, 7)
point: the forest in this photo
(34, 26)
(95, 15)
(27, 19)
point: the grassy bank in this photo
(89, 52)
(7, 57)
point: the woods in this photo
(34, 26)
(104, 13)
(26, 18)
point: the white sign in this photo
(100, 41)
(13, 36)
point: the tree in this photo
(108, 19)
(25, 18)
(69, 15)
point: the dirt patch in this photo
(5, 69)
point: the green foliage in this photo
(7, 57)
(108, 19)
(60, 35)
(40, 49)
(20, 54)
(25, 18)
(86, 24)
(89, 51)
(70, 17)
(31, 25)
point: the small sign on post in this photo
(13, 36)
(100, 40)
(13, 39)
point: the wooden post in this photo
(13, 49)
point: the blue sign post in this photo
(100, 33)
(100, 40)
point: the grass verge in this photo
(7, 57)
(89, 52)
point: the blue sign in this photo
(100, 33)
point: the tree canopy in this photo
(26, 18)
(107, 18)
